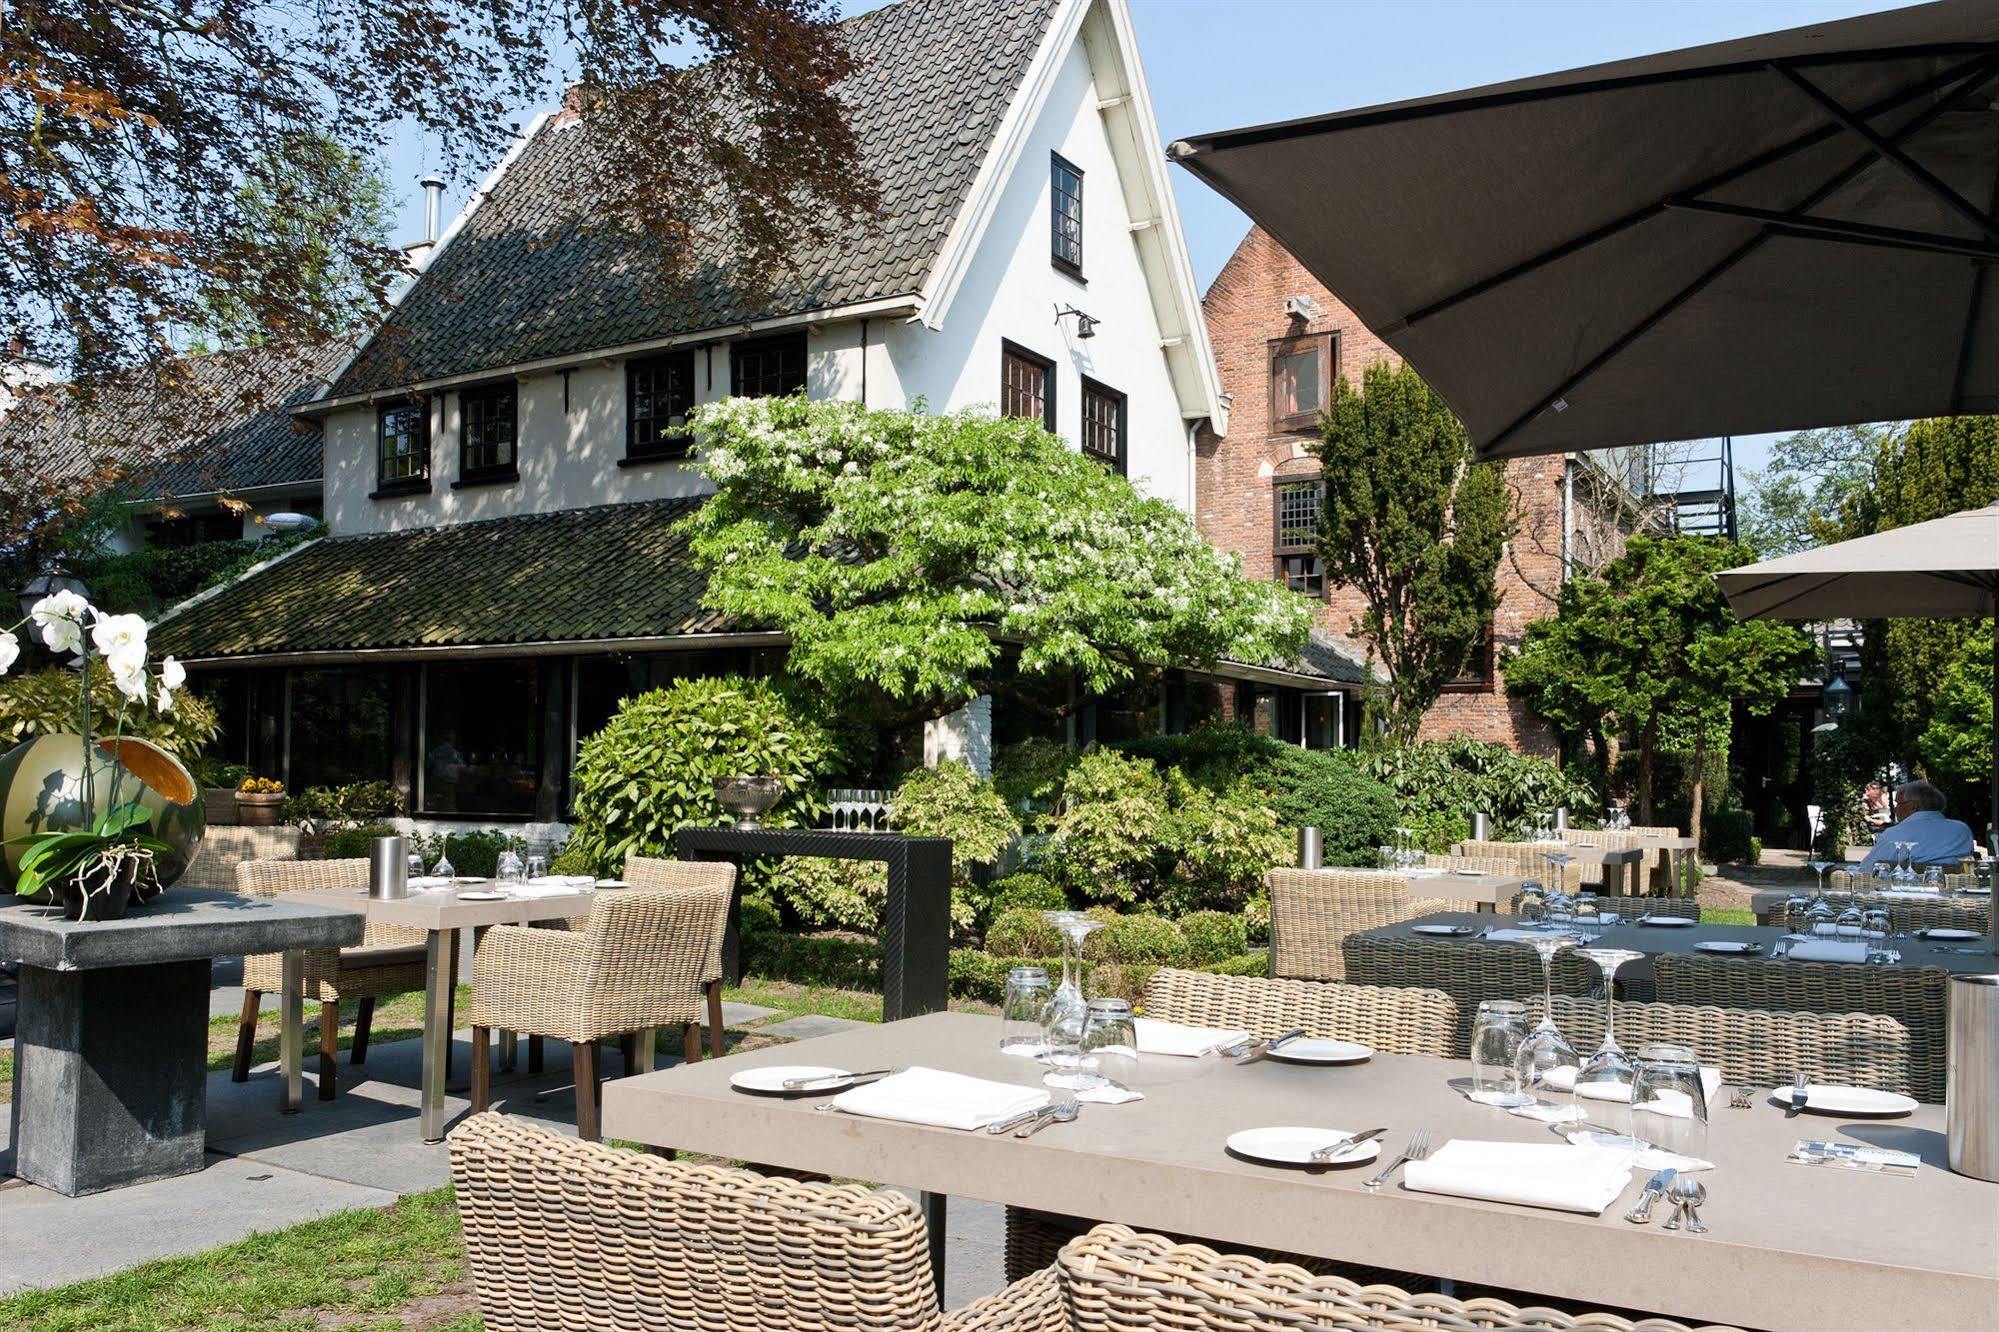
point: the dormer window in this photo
(768, 367)
(1103, 425)
(402, 449)
(488, 434)
(1065, 214)
(659, 394)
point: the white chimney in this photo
(419, 252)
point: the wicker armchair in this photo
(1525, 858)
(1311, 911)
(389, 961)
(561, 1234)
(643, 959)
(1468, 971)
(1913, 996)
(1756, 1046)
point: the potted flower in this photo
(113, 817)
(259, 801)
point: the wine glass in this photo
(1669, 1101)
(1820, 917)
(1110, 1042)
(444, 869)
(1066, 1013)
(507, 870)
(1531, 905)
(1545, 1050)
(416, 865)
(1497, 1035)
(1819, 867)
(1027, 996)
(1607, 1075)
(1851, 923)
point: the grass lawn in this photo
(1727, 916)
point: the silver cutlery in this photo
(1334, 1151)
(1692, 1194)
(1417, 1150)
(1798, 1095)
(1061, 1112)
(793, 1084)
(1016, 1120)
(1658, 1184)
(1263, 1048)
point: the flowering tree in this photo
(905, 554)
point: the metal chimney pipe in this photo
(433, 205)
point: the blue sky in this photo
(1219, 64)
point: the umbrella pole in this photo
(1992, 828)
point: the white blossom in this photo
(164, 700)
(129, 674)
(120, 638)
(10, 650)
(172, 674)
(59, 616)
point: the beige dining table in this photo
(1486, 892)
(441, 913)
(1788, 1246)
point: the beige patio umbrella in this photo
(1947, 568)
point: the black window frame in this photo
(1327, 347)
(1095, 389)
(419, 483)
(494, 473)
(1011, 351)
(1297, 564)
(1059, 241)
(641, 388)
(1481, 673)
(743, 350)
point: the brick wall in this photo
(1234, 476)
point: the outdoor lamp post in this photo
(1838, 696)
(47, 584)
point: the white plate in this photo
(1294, 1146)
(1469, 874)
(1722, 946)
(1447, 931)
(1310, 1050)
(482, 896)
(1944, 932)
(770, 1081)
(1828, 1099)
(1669, 922)
(612, 883)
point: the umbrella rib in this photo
(1973, 307)
(1835, 229)
(1971, 72)
(1908, 165)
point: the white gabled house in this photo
(505, 457)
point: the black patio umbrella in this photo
(1780, 232)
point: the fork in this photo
(1417, 1150)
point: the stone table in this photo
(111, 1041)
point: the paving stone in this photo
(810, 1025)
(741, 1015)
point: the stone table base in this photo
(110, 1071)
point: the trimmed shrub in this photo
(1256, 919)
(472, 854)
(1023, 932)
(760, 917)
(354, 843)
(1243, 964)
(1213, 936)
(1031, 891)
(1138, 938)
(572, 860)
(1728, 835)
(814, 959)
(1029, 773)
(651, 770)
(982, 976)
(1113, 836)
(1122, 980)
(1439, 784)
(1226, 841)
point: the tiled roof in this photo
(531, 275)
(1326, 659)
(228, 446)
(611, 572)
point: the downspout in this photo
(1193, 451)
(1568, 510)
(864, 360)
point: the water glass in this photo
(1110, 1041)
(1496, 1037)
(1531, 906)
(1022, 1011)
(1668, 1102)
(508, 871)
(416, 865)
(444, 869)
(537, 868)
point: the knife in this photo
(1263, 1048)
(1798, 1095)
(1334, 1151)
(1016, 1120)
(1654, 1186)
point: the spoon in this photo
(1695, 1193)
(1059, 1113)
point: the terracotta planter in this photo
(41, 791)
(259, 809)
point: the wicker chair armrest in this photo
(523, 977)
(1032, 1304)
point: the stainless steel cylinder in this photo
(1971, 1103)
(1311, 848)
(1481, 827)
(1561, 818)
(389, 867)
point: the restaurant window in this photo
(340, 727)
(659, 393)
(1103, 425)
(1065, 214)
(1301, 373)
(1295, 538)
(1027, 385)
(1478, 674)
(481, 738)
(194, 529)
(768, 367)
(487, 432)
(402, 448)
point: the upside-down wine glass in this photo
(1606, 1078)
(1546, 1049)
(1069, 1010)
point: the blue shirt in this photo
(1939, 840)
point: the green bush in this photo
(814, 959)
(1255, 963)
(45, 703)
(1256, 919)
(1226, 842)
(950, 800)
(651, 770)
(982, 977)
(1140, 937)
(1439, 784)
(473, 854)
(1028, 774)
(1023, 932)
(1029, 890)
(1122, 980)
(1113, 833)
(1728, 835)
(219, 774)
(327, 808)
(572, 860)
(1213, 936)
(354, 843)
(760, 917)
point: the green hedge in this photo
(353, 843)
(1213, 936)
(1023, 932)
(1729, 836)
(1139, 938)
(982, 977)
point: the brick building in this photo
(1279, 338)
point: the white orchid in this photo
(129, 674)
(172, 674)
(59, 616)
(164, 702)
(10, 650)
(121, 639)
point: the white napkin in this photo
(932, 1096)
(1621, 1091)
(1508, 935)
(1173, 1038)
(1433, 872)
(1566, 1178)
(1109, 1095)
(1827, 950)
(557, 885)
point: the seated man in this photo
(1919, 818)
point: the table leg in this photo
(508, 1057)
(438, 982)
(934, 1208)
(1485, 908)
(647, 1040)
(291, 1031)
